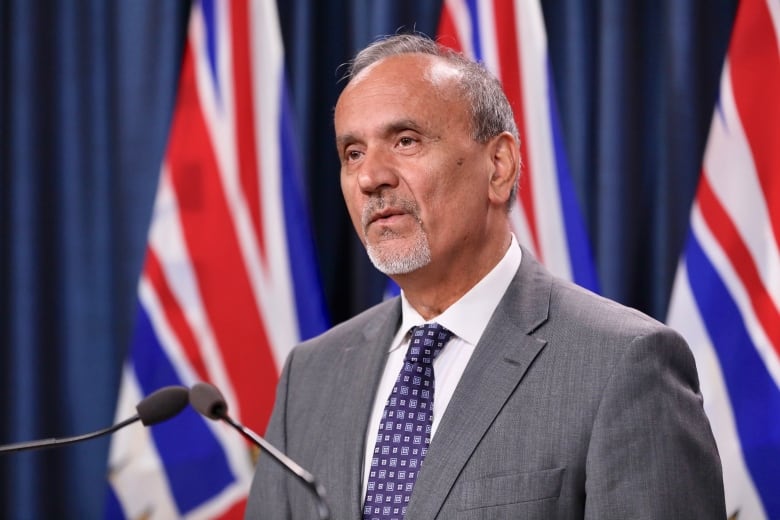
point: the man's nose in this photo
(378, 171)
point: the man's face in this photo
(413, 179)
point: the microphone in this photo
(158, 406)
(208, 401)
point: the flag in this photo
(508, 37)
(229, 282)
(726, 295)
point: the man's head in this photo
(490, 110)
(429, 154)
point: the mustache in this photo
(381, 204)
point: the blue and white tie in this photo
(405, 430)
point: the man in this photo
(547, 401)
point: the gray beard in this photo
(392, 260)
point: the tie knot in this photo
(426, 343)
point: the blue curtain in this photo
(637, 84)
(86, 93)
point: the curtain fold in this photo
(86, 99)
(637, 82)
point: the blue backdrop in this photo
(86, 93)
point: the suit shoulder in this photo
(597, 335)
(376, 319)
(582, 307)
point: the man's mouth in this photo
(387, 211)
(386, 215)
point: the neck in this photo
(434, 288)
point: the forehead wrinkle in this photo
(386, 130)
(400, 125)
(345, 139)
(434, 72)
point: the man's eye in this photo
(406, 141)
(352, 155)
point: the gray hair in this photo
(491, 113)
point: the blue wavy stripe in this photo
(755, 398)
(210, 20)
(113, 509)
(184, 443)
(309, 300)
(476, 37)
(580, 254)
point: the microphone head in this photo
(208, 401)
(162, 404)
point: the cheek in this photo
(461, 191)
(353, 200)
(348, 190)
(344, 181)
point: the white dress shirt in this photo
(467, 318)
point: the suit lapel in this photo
(499, 362)
(360, 367)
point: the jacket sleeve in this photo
(652, 453)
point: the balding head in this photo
(491, 113)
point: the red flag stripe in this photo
(236, 511)
(244, 116)
(448, 32)
(173, 314)
(216, 256)
(742, 261)
(511, 66)
(755, 78)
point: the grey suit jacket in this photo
(572, 406)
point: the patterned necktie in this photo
(405, 430)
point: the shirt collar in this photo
(468, 317)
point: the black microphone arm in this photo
(208, 401)
(158, 406)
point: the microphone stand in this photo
(64, 441)
(302, 475)
(158, 406)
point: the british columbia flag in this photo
(726, 299)
(229, 283)
(509, 37)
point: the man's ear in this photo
(505, 154)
